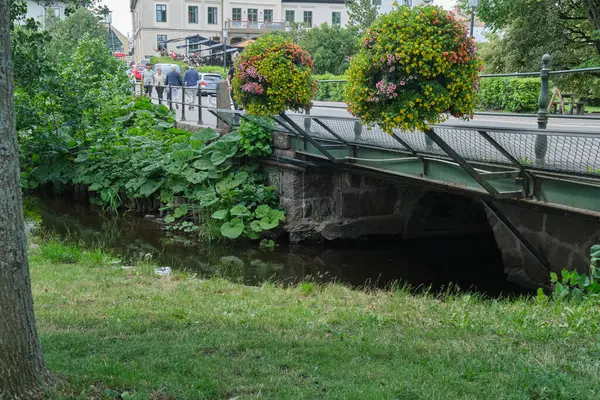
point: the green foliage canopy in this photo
(330, 48)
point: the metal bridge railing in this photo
(175, 97)
(570, 151)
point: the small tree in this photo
(331, 48)
(361, 13)
(22, 368)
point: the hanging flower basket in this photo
(416, 66)
(273, 75)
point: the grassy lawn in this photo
(107, 330)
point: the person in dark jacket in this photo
(191, 79)
(174, 80)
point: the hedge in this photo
(509, 94)
(330, 91)
(506, 94)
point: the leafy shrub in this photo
(168, 60)
(136, 153)
(329, 91)
(415, 66)
(509, 94)
(330, 47)
(211, 69)
(256, 137)
(272, 76)
(574, 286)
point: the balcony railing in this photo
(255, 26)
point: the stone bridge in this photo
(331, 200)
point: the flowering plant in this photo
(414, 68)
(273, 75)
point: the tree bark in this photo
(22, 369)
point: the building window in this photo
(236, 14)
(336, 18)
(308, 19)
(407, 2)
(54, 11)
(268, 15)
(193, 14)
(212, 15)
(161, 42)
(290, 17)
(252, 14)
(161, 13)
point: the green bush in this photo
(255, 136)
(509, 94)
(168, 60)
(210, 69)
(329, 91)
(571, 285)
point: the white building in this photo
(387, 5)
(158, 21)
(40, 12)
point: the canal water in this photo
(471, 263)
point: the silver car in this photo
(208, 83)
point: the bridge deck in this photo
(500, 162)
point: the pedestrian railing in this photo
(175, 97)
(572, 152)
(543, 113)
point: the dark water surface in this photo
(470, 262)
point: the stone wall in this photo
(565, 241)
(328, 203)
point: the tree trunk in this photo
(22, 369)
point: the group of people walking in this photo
(158, 80)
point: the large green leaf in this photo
(196, 176)
(208, 199)
(218, 157)
(238, 179)
(221, 214)
(255, 226)
(181, 211)
(203, 163)
(205, 135)
(124, 118)
(230, 137)
(232, 229)
(150, 187)
(277, 214)
(262, 211)
(269, 223)
(227, 148)
(240, 211)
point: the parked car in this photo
(166, 68)
(136, 71)
(208, 83)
